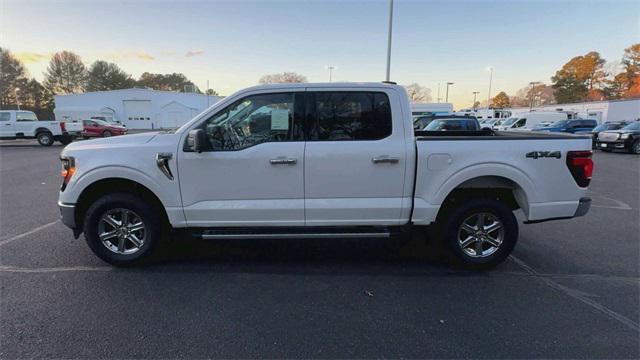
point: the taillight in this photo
(581, 166)
(62, 127)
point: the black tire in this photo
(494, 209)
(635, 147)
(65, 140)
(106, 133)
(45, 138)
(153, 231)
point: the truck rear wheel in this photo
(122, 228)
(480, 233)
(44, 138)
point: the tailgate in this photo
(73, 126)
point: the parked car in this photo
(613, 125)
(21, 124)
(627, 138)
(453, 123)
(445, 122)
(571, 126)
(488, 123)
(109, 119)
(333, 161)
(100, 128)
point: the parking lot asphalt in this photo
(570, 290)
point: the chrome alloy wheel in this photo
(480, 235)
(122, 231)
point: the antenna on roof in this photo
(390, 82)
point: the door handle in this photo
(385, 159)
(283, 161)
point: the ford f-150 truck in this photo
(320, 160)
(21, 124)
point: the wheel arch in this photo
(499, 187)
(116, 184)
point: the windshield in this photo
(560, 123)
(510, 121)
(634, 126)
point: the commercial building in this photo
(136, 108)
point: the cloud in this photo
(125, 55)
(30, 57)
(197, 52)
(142, 55)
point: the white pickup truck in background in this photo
(320, 160)
(21, 124)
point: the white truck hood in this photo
(134, 139)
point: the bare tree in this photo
(285, 77)
(418, 93)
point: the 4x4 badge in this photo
(544, 154)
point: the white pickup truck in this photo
(319, 160)
(21, 124)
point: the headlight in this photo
(624, 136)
(68, 169)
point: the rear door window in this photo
(5, 116)
(348, 115)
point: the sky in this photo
(232, 44)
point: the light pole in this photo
(447, 96)
(474, 98)
(533, 87)
(439, 98)
(331, 68)
(389, 40)
(490, 79)
(15, 91)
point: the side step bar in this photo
(219, 235)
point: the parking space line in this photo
(20, 236)
(56, 269)
(578, 296)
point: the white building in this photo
(135, 108)
(603, 111)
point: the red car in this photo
(100, 128)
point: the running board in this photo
(219, 235)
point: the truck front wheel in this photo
(122, 228)
(45, 138)
(480, 233)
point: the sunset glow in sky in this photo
(233, 43)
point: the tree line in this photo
(67, 74)
(583, 78)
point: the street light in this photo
(15, 91)
(331, 68)
(533, 86)
(474, 98)
(389, 40)
(490, 79)
(439, 98)
(447, 96)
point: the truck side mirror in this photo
(196, 140)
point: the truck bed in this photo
(532, 162)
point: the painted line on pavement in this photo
(578, 295)
(20, 236)
(14, 269)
